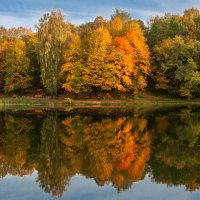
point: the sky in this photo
(26, 13)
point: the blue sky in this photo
(14, 13)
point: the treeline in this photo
(103, 56)
(175, 49)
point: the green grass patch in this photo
(32, 103)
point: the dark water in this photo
(100, 154)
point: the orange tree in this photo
(111, 56)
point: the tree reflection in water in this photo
(108, 147)
(175, 158)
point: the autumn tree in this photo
(97, 72)
(116, 26)
(71, 73)
(161, 28)
(130, 57)
(122, 15)
(177, 66)
(85, 28)
(141, 56)
(14, 59)
(190, 21)
(52, 34)
(16, 68)
(171, 25)
(20, 33)
(174, 42)
(3, 48)
(110, 55)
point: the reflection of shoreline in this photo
(109, 148)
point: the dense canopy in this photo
(109, 58)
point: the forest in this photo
(110, 57)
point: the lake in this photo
(100, 153)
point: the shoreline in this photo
(47, 102)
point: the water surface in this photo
(100, 153)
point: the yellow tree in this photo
(16, 68)
(98, 73)
(116, 26)
(3, 47)
(141, 56)
(71, 70)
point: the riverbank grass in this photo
(48, 102)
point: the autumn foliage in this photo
(175, 46)
(114, 57)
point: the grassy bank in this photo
(146, 100)
(29, 103)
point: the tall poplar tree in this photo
(52, 35)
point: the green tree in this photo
(32, 54)
(161, 28)
(177, 66)
(123, 15)
(72, 68)
(52, 34)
